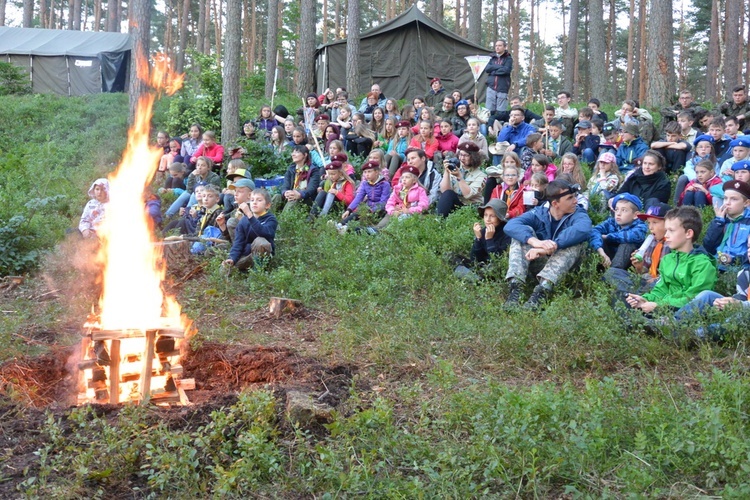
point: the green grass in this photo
(453, 397)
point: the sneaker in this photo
(341, 228)
(514, 297)
(538, 297)
(245, 263)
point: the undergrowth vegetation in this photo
(454, 396)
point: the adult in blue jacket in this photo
(498, 77)
(553, 237)
(516, 131)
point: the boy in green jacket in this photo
(685, 272)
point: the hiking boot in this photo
(245, 263)
(538, 297)
(514, 296)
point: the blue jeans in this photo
(695, 199)
(181, 202)
(700, 304)
(588, 155)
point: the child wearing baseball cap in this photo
(618, 237)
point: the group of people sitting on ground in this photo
(531, 185)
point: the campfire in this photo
(130, 348)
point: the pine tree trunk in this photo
(271, 41)
(305, 83)
(251, 24)
(732, 46)
(514, 28)
(217, 26)
(660, 71)
(437, 11)
(352, 48)
(113, 16)
(597, 50)
(337, 21)
(530, 83)
(2, 12)
(97, 15)
(28, 13)
(495, 23)
(169, 28)
(184, 23)
(325, 21)
(200, 36)
(76, 15)
(475, 21)
(230, 96)
(629, 89)
(571, 49)
(642, 39)
(712, 64)
(70, 13)
(138, 26)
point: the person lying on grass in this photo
(256, 230)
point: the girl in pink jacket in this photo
(409, 197)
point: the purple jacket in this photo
(377, 195)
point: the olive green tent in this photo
(402, 55)
(68, 62)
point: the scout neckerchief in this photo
(653, 270)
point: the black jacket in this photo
(498, 72)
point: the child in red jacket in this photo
(697, 193)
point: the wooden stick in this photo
(114, 372)
(312, 133)
(147, 367)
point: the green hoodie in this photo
(682, 277)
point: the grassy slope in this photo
(466, 398)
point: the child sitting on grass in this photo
(337, 187)
(726, 236)
(534, 193)
(189, 217)
(618, 237)
(408, 198)
(685, 272)
(646, 259)
(255, 233)
(374, 190)
(709, 299)
(740, 154)
(93, 213)
(510, 192)
(534, 145)
(697, 192)
(606, 177)
(491, 239)
(175, 181)
(540, 164)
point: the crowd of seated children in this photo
(202, 175)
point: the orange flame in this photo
(133, 296)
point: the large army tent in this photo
(68, 62)
(402, 55)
